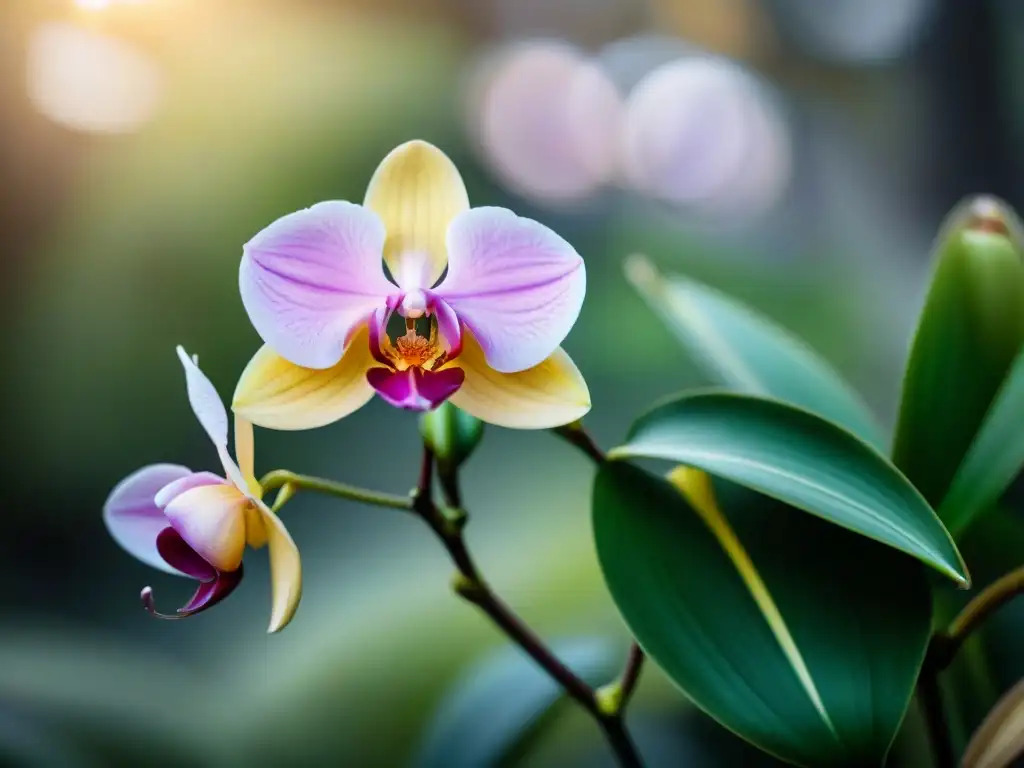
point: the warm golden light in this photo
(93, 5)
(89, 81)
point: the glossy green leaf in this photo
(499, 701)
(994, 459)
(969, 333)
(801, 459)
(797, 635)
(750, 353)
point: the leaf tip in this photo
(641, 272)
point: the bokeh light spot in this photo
(546, 119)
(89, 81)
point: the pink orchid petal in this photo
(415, 389)
(311, 277)
(447, 324)
(211, 520)
(174, 489)
(515, 284)
(133, 517)
(378, 325)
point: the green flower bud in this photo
(969, 333)
(451, 434)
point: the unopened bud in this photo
(451, 434)
(969, 333)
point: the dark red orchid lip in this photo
(214, 585)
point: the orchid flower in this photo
(198, 524)
(314, 285)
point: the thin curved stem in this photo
(576, 434)
(631, 674)
(470, 585)
(281, 477)
(945, 645)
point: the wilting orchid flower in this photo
(314, 285)
(197, 524)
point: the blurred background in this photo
(798, 154)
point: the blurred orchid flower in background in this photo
(315, 288)
(197, 523)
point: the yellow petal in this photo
(255, 529)
(417, 191)
(550, 394)
(277, 394)
(245, 449)
(285, 570)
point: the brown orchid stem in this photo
(929, 696)
(471, 586)
(946, 645)
(576, 435)
(944, 648)
(607, 704)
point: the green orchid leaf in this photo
(797, 635)
(968, 335)
(500, 701)
(994, 459)
(750, 353)
(800, 459)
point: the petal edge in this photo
(548, 395)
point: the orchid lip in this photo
(214, 585)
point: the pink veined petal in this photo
(133, 517)
(174, 489)
(206, 403)
(211, 520)
(378, 324)
(415, 389)
(311, 277)
(447, 324)
(515, 284)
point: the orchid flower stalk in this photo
(412, 296)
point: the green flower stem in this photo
(470, 585)
(945, 646)
(281, 478)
